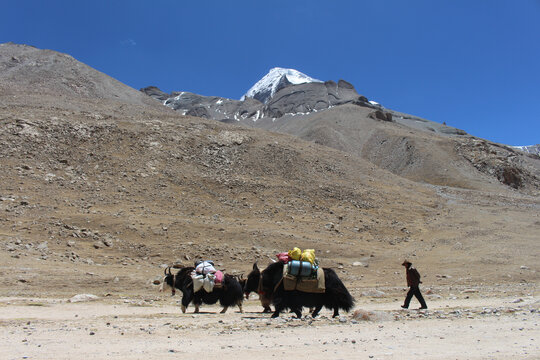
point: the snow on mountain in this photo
(531, 149)
(374, 103)
(265, 88)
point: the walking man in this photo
(413, 282)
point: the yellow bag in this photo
(309, 255)
(295, 253)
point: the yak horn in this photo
(165, 271)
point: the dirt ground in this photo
(454, 327)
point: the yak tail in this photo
(233, 293)
(337, 291)
(345, 301)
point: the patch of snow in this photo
(179, 96)
(530, 149)
(270, 81)
(257, 115)
(298, 113)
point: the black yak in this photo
(228, 294)
(269, 285)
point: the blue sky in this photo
(472, 64)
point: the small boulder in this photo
(83, 297)
(108, 242)
(365, 315)
(380, 115)
(359, 263)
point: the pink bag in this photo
(219, 277)
(283, 257)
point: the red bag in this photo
(283, 257)
(219, 277)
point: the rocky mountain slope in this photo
(99, 191)
(289, 99)
(335, 115)
(28, 70)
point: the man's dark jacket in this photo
(413, 277)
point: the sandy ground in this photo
(477, 328)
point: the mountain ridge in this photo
(273, 81)
(321, 112)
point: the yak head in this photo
(168, 281)
(252, 281)
(270, 278)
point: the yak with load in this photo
(272, 285)
(228, 292)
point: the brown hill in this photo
(27, 70)
(100, 190)
(418, 154)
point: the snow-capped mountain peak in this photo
(265, 88)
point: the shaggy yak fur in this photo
(269, 285)
(229, 294)
(251, 284)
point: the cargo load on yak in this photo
(297, 254)
(301, 271)
(204, 267)
(303, 276)
(206, 276)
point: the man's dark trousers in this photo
(414, 290)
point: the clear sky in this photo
(472, 64)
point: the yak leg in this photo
(316, 311)
(186, 299)
(298, 312)
(196, 309)
(224, 310)
(336, 312)
(240, 307)
(265, 302)
(278, 309)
